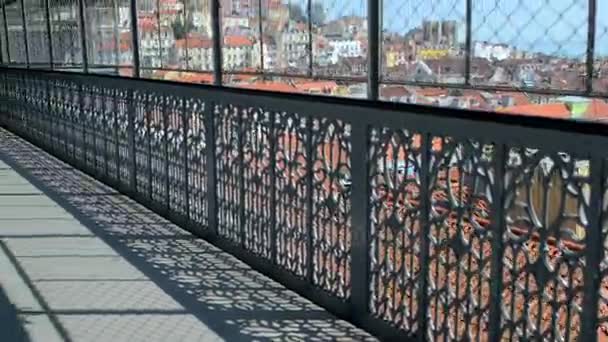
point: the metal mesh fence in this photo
(37, 33)
(65, 34)
(553, 47)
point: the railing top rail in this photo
(551, 133)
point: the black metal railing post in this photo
(498, 229)
(468, 49)
(185, 128)
(8, 43)
(261, 29)
(360, 261)
(310, 150)
(310, 39)
(49, 31)
(425, 227)
(131, 112)
(217, 42)
(210, 167)
(590, 68)
(594, 251)
(135, 38)
(83, 35)
(165, 120)
(373, 49)
(25, 39)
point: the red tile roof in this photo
(237, 41)
(552, 110)
(270, 86)
(194, 43)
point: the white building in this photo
(343, 48)
(237, 52)
(294, 44)
(196, 53)
(491, 51)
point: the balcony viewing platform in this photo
(81, 262)
(304, 170)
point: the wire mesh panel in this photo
(339, 38)
(600, 83)
(109, 38)
(16, 34)
(424, 41)
(4, 44)
(241, 46)
(516, 43)
(65, 34)
(37, 33)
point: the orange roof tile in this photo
(597, 109)
(317, 85)
(551, 110)
(269, 86)
(194, 43)
(237, 41)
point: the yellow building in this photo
(428, 54)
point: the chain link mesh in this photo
(314, 46)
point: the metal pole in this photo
(135, 39)
(373, 48)
(117, 42)
(83, 36)
(8, 50)
(468, 42)
(310, 57)
(217, 42)
(27, 50)
(591, 45)
(47, 13)
(261, 29)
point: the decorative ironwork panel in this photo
(176, 156)
(158, 149)
(70, 108)
(547, 210)
(395, 236)
(112, 134)
(461, 177)
(141, 124)
(197, 161)
(257, 157)
(603, 290)
(89, 135)
(229, 170)
(122, 123)
(292, 169)
(331, 210)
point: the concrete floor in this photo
(80, 262)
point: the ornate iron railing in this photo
(409, 221)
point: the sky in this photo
(551, 26)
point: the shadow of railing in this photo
(11, 325)
(225, 294)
